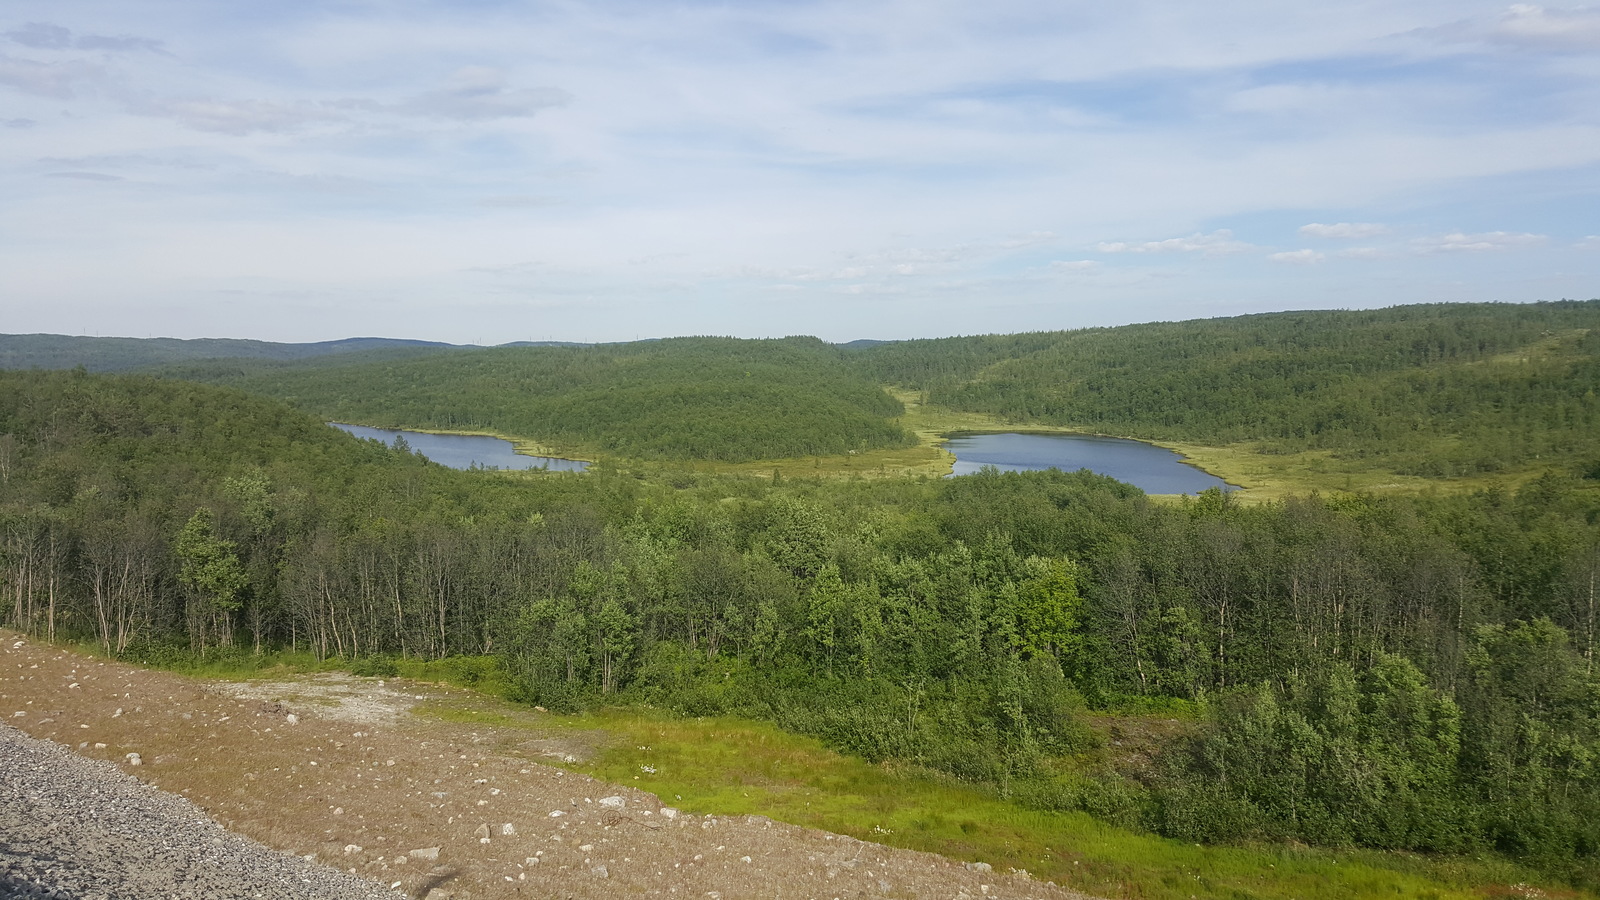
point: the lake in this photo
(463, 451)
(1152, 469)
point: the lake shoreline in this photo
(1101, 453)
(519, 448)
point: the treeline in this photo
(1390, 672)
(1432, 390)
(684, 398)
(122, 354)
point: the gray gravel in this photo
(78, 828)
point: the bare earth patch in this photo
(339, 768)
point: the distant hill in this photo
(1452, 389)
(681, 398)
(121, 354)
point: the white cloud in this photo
(1343, 230)
(54, 80)
(42, 36)
(1297, 257)
(236, 117)
(481, 92)
(45, 36)
(1592, 242)
(1364, 253)
(1074, 265)
(1489, 241)
(1556, 29)
(85, 176)
(1216, 243)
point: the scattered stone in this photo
(508, 829)
(134, 759)
(586, 848)
(600, 872)
(668, 812)
(980, 867)
(292, 719)
(351, 848)
(482, 832)
(613, 802)
(556, 814)
(426, 854)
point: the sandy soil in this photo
(336, 767)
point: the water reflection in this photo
(463, 451)
(1152, 469)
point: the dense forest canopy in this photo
(121, 354)
(685, 398)
(1443, 390)
(1396, 672)
(1433, 390)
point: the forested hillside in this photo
(122, 354)
(1434, 390)
(1413, 673)
(685, 398)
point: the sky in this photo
(476, 171)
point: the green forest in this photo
(1444, 391)
(1398, 672)
(684, 398)
(1432, 390)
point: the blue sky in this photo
(497, 171)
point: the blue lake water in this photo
(463, 451)
(1152, 469)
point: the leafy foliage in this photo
(686, 398)
(1431, 390)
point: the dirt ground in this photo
(338, 768)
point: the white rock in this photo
(744, 859)
(532, 860)
(669, 812)
(482, 832)
(613, 802)
(292, 719)
(600, 872)
(117, 713)
(586, 848)
(134, 759)
(427, 854)
(351, 848)
(558, 813)
(508, 829)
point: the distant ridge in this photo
(120, 354)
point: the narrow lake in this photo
(1152, 469)
(463, 451)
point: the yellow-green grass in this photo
(726, 766)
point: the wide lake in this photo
(463, 451)
(1152, 469)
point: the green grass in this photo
(731, 767)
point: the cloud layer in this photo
(604, 171)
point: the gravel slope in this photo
(338, 769)
(79, 828)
